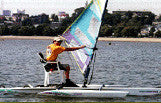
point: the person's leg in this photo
(68, 82)
(66, 68)
(67, 71)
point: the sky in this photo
(35, 7)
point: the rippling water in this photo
(122, 63)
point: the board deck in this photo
(132, 91)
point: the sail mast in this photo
(94, 54)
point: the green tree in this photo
(116, 19)
(47, 31)
(117, 31)
(27, 22)
(151, 33)
(39, 29)
(24, 31)
(130, 31)
(135, 21)
(158, 33)
(2, 19)
(107, 19)
(149, 20)
(44, 19)
(129, 15)
(15, 30)
(32, 30)
(44, 30)
(66, 22)
(159, 19)
(54, 18)
(59, 31)
(77, 12)
(4, 30)
(105, 31)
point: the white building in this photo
(6, 13)
(20, 11)
(145, 31)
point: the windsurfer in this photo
(52, 52)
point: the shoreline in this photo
(156, 40)
(153, 40)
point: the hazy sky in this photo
(35, 7)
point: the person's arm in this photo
(74, 48)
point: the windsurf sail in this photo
(84, 31)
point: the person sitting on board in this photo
(52, 52)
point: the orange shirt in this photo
(52, 52)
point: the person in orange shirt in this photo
(52, 52)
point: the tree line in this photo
(16, 30)
(115, 25)
(127, 25)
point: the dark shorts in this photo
(53, 66)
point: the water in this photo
(122, 63)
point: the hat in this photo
(58, 39)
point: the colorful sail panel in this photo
(84, 31)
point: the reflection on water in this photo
(121, 63)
